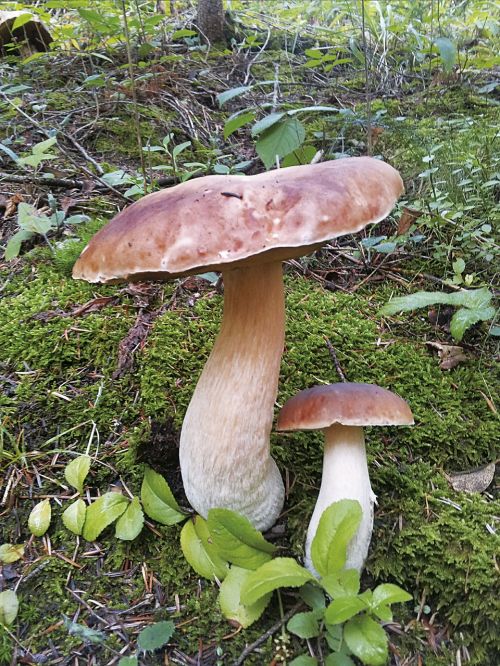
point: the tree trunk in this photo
(210, 20)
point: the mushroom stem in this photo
(345, 476)
(224, 448)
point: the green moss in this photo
(440, 550)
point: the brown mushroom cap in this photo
(33, 31)
(221, 222)
(348, 403)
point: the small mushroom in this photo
(341, 411)
(244, 227)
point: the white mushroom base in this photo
(224, 448)
(345, 476)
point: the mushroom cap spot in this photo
(196, 227)
(348, 404)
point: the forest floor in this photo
(109, 370)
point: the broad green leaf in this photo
(74, 516)
(267, 122)
(227, 95)
(76, 472)
(334, 636)
(467, 298)
(303, 155)
(466, 317)
(366, 639)
(447, 51)
(179, 148)
(101, 513)
(39, 518)
(337, 525)
(343, 609)
(303, 660)
(131, 522)
(280, 572)
(183, 32)
(305, 625)
(339, 659)
(13, 247)
(237, 540)
(313, 596)
(230, 599)
(29, 219)
(236, 121)
(343, 583)
(43, 146)
(383, 612)
(199, 550)
(9, 605)
(156, 636)
(157, 499)
(387, 593)
(10, 552)
(21, 20)
(279, 140)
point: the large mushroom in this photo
(244, 227)
(341, 411)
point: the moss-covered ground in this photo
(61, 395)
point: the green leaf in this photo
(303, 660)
(128, 661)
(43, 146)
(343, 609)
(74, 516)
(266, 122)
(76, 472)
(280, 572)
(157, 499)
(101, 513)
(236, 121)
(21, 20)
(337, 525)
(279, 140)
(29, 219)
(84, 633)
(447, 52)
(39, 518)
(9, 605)
(387, 593)
(10, 552)
(131, 522)
(230, 599)
(227, 95)
(199, 550)
(156, 636)
(237, 540)
(13, 247)
(9, 152)
(343, 583)
(383, 612)
(183, 32)
(313, 596)
(366, 639)
(305, 625)
(334, 634)
(339, 659)
(467, 317)
(467, 298)
(179, 148)
(303, 155)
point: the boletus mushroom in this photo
(244, 227)
(341, 411)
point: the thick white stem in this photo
(224, 448)
(345, 476)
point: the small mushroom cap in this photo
(222, 222)
(348, 404)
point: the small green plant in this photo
(474, 306)
(172, 152)
(32, 222)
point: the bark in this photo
(210, 20)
